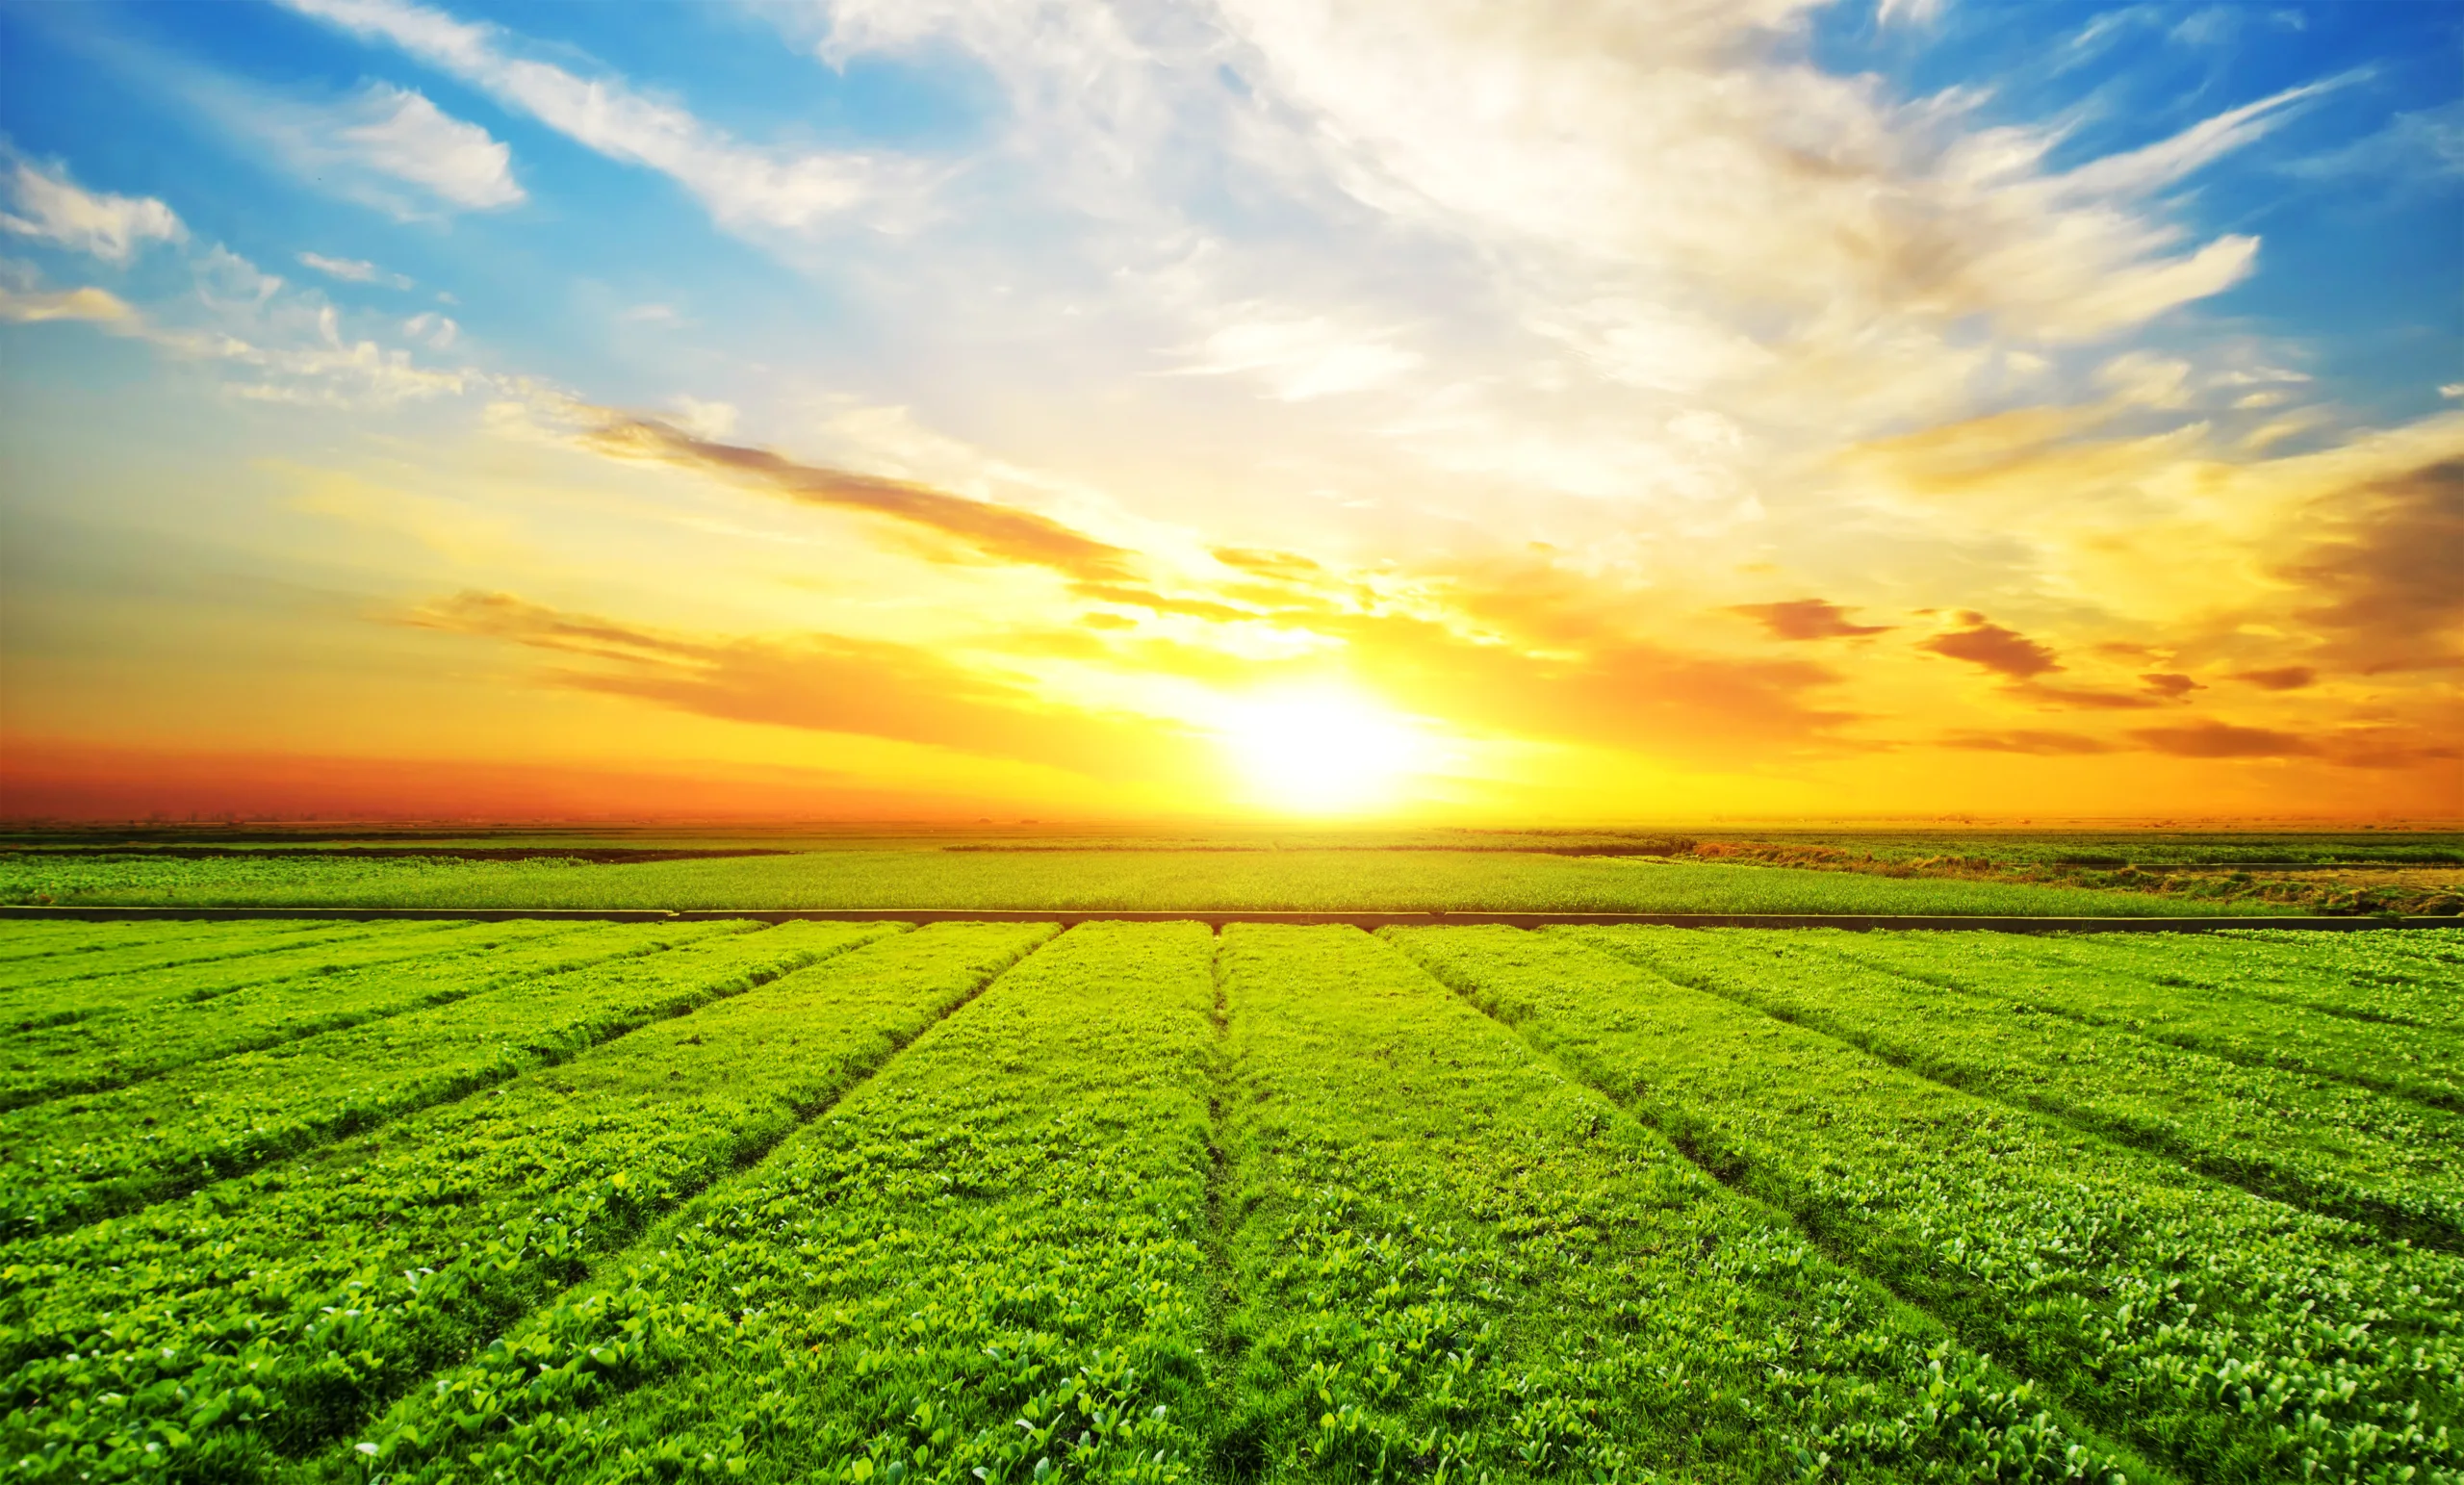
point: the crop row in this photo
(62, 975)
(2408, 976)
(2147, 994)
(219, 1319)
(201, 977)
(2232, 1335)
(1453, 1259)
(2319, 1144)
(74, 1159)
(31, 951)
(987, 1264)
(112, 1050)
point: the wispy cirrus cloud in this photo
(743, 186)
(354, 270)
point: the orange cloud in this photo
(2025, 741)
(2387, 573)
(2004, 652)
(1003, 532)
(818, 683)
(2282, 677)
(1805, 618)
(2208, 739)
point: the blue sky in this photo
(1577, 332)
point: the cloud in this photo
(1304, 358)
(816, 683)
(2170, 685)
(2282, 677)
(354, 270)
(434, 330)
(394, 132)
(741, 186)
(1004, 532)
(2206, 740)
(1684, 154)
(46, 204)
(2037, 744)
(383, 146)
(1805, 618)
(2151, 167)
(2381, 574)
(2082, 698)
(2004, 652)
(2417, 147)
(99, 306)
(2367, 746)
(1267, 563)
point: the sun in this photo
(1320, 749)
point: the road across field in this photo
(988, 1201)
(1217, 919)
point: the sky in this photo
(1392, 409)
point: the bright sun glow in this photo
(1321, 751)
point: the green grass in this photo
(72, 1160)
(987, 1260)
(1455, 1261)
(68, 975)
(1064, 879)
(248, 958)
(67, 946)
(2313, 1142)
(242, 1296)
(2235, 1337)
(2210, 997)
(993, 1204)
(113, 1049)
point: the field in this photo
(331, 1201)
(2087, 874)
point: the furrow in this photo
(1458, 1262)
(70, 1162)
(987, 1260)
(100, 1054)
(2238, 1339)
(2321, 1146)
(407, 1250)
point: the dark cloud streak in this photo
(1003, 532)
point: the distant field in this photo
(985, 1203)
(1059, 880)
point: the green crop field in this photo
(868, 1204)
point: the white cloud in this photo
(382, 146)
(742, 186)
(1679, 149)
(432, 329)
(400, 134)
(272, 343)
(2152, 167)
(1915, 12)
(46, 204)
(2420, 146)
(229, 282)
(354, 270)
(1303, 358)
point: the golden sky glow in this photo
(1362, 410)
